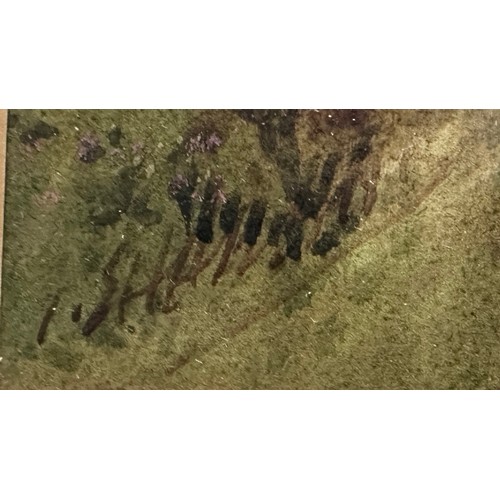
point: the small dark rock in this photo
(114, 136)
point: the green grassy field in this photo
(376, 266)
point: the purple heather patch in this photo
(177, 184)
(89, 149)
(203, 143)
(219, 195)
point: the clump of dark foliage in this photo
(115, 136)
(181, 190)
(327, 241)
(41, 130)
(89, 149)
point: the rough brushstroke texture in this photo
(370, 259)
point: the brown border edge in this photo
(3, 152)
